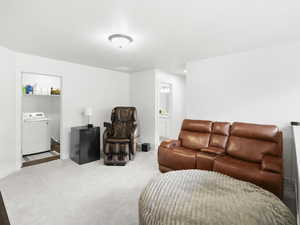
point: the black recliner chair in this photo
(120, 136)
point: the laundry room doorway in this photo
(40, 118)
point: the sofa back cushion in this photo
(219, 136)
(252, 141)
(195, 134)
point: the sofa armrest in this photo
(107, 125)
(272, 164)
(213, 150)
(170, 143)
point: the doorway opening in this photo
(165, 110)
(41, 118)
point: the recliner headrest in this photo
(204, 126)
(124, 114)
(255, 131)
(221, 128)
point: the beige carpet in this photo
(63, 193)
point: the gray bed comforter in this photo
(195, 197)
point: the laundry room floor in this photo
(30, 160)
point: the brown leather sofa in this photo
(248, 152)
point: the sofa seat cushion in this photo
(250, 172)
(177, 158)
(205, 161)
(239, 169)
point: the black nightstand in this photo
(85, 144)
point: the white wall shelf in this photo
(42, 95)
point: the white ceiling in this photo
(167, 33)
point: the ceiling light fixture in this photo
(120, 40)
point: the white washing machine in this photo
(35, 136)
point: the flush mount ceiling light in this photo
(120, 40)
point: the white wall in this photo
(82, 86)
(7, 112)
(260, 86)
(144, 97)
(178, 100)
(144, 94)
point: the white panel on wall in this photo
(7, 112)
(260, 86)
(143, 97)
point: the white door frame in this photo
(19, 117)
(170, 116)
